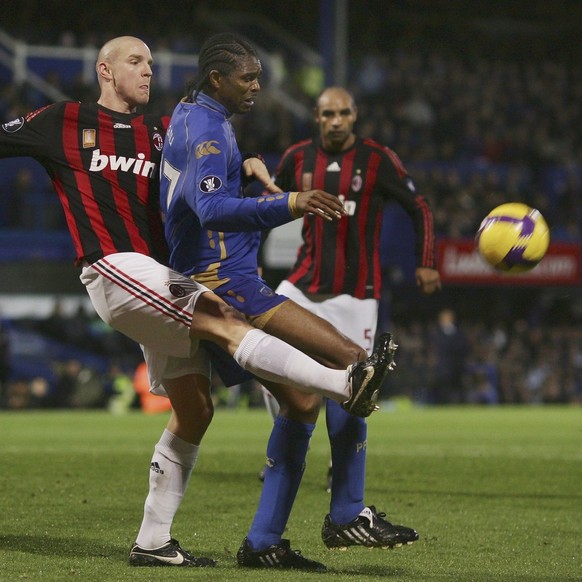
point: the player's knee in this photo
(357, 354)
(348, 354)
(206, 413)
(201, 416)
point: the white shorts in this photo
(154, 306)
(355, 318)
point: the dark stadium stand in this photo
(488, 112)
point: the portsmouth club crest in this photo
(266, 291)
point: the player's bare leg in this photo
(274, 360)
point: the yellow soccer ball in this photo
(513, 237)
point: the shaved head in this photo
(124, 71)
(335, 114)
(111, 50)
(336, 94)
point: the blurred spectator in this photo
(56, 324)
(482, 389)
(482, 372)
(66, 386)
(123, 393)
(90, 389)
(450, 348)
(18, 395)
(78, 386)
(77, 329)
(39, 392)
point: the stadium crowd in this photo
(507, 363)
(474, 131)
(450, 358)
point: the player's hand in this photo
(321, 204)
(428, 280)
(255, 168)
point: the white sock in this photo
(272, 359)
(170, 470)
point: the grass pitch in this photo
(495, 493)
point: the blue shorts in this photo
(224, 365)
(253, 297)
(250, 295)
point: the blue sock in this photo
(347, 437)
(286, 452)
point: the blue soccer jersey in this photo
(211, 228)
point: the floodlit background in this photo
(481, 100)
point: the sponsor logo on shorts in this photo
(177, 290)
(14, 125)
(210, 184)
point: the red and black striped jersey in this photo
(104, 166)
(343, 256)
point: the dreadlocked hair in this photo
(221, 53)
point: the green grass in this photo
(495, 493)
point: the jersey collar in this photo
(207, 101)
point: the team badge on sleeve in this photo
(210, 184)
(14, 125)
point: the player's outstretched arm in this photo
(320, 203)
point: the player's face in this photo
(238, 90)
(132, 72)
(335, 115)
